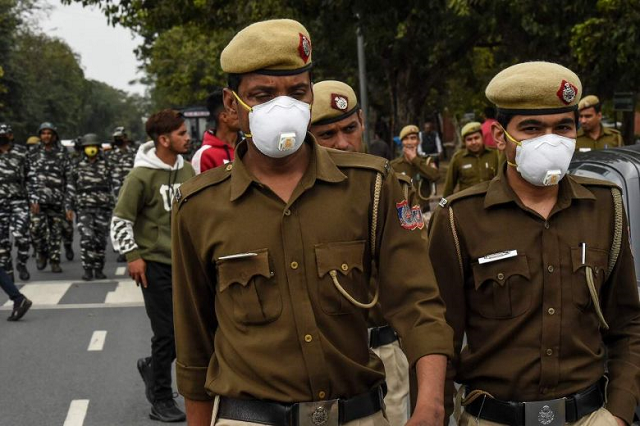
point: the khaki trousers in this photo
(601, 417)
(376, 419)
(396, 369)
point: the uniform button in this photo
(344, 267)
(550, 268)
(294, 265)
(549, 352)
(308, 338)
(321, 394)
(551, 311)
(501, 276)
(287, 212)
(546, 225)
(229, 167)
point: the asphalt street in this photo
(71, 360)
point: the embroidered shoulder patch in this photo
(410, 217)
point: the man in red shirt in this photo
(218, 144)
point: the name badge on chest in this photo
(493, 257)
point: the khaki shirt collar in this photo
(467, 153)
(500, 192)
(321, 166)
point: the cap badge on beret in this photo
(304, 48)
(567, 92)
(339, 102)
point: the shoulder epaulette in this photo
(593, 182)
(202, 181)
(614, 131)
(359, 160)
(479, 189)
(404, 178)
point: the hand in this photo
(137, 272)
(69, 215)
(35, 208)
(410, 152)
(430, 414)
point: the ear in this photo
(498, 136)
(229, 101)
(361, 120)
(164, 141)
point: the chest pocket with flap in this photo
(248, 287)
(502, 288)
(596, 259)
(346, 259)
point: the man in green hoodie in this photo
(140, 229)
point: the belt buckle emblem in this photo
(318, 413)
(319, 416)
(545, 413)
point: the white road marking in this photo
(77, 412)
(80, 306)
(97, 340)
(120, 270)
(126, 292)
(43, 294)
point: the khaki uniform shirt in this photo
(609, 138)
(256, 312)
(422, 173)
(532, 330)
(467, 169)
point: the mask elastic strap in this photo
(514, 140)
(245, 106)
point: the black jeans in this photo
(159, 305)
(9, 287)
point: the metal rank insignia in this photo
(443, 202)
(567, 92)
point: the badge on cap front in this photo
(567, 92)
(339, 102)
(304, 48)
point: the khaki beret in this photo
(469, 128)
(588, 102)
(409, 130)
(534, 88)
(332, 101)
(275, 47)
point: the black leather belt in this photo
(278, 414)
(576, 406)
(380, 336)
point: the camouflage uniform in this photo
(90, 194)
(14, 208)
(121, 161)
(46, 183)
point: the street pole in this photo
(362, 76)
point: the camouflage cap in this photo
(275, 47)
(409, 130)
(47, 126)
(5, 129)
(90, 139)
(119, 132)
(532, 88)
(588, 102)
(332, 101)
(469, 128)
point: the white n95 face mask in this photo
(544, 160)
(278, 127)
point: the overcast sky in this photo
(106, 52)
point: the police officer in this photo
(46, 181)
(14, 204)
(536, 270)
(121, 158)
(472, 164)
(420, 169)
(283, 287)
(337, 122)
(90, 194)
(592, 134)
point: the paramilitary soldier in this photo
(271, 308)
(14, 204)
(592, 134)
(121, 158)
(90, 195)
(535, 268)
(420, 169)
(472, 164)
(47, 181)
(337, 122)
